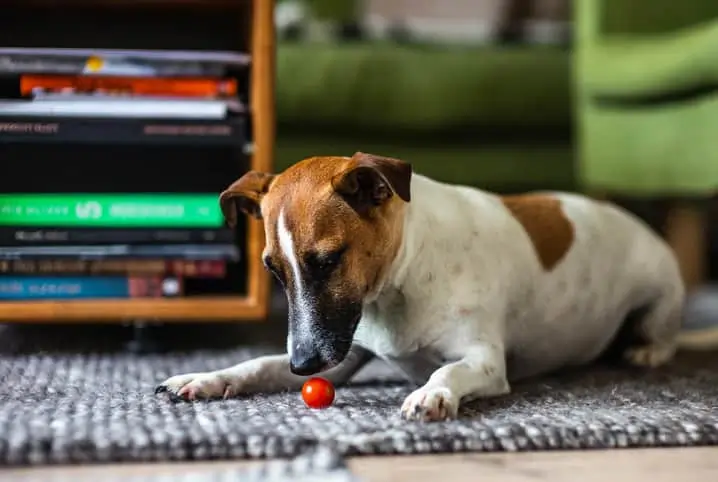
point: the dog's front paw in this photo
(430, 404)
(197, 386)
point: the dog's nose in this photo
(306, 363)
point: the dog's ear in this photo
(246, 194)
(372, 180)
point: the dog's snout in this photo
(306, 362)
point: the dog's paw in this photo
(649, 356)
(199, 386)
(430, 404)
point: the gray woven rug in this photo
(86, 403)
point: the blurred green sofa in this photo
(496, 117)
(646, 94)
(647, 97)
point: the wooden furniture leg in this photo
(685, 231)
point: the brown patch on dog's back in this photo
(546, 224)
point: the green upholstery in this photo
(422, 89)
(469, 115)
(342, 10)
(629, 67)
(502, 167)
(641, 17)
(647, 96)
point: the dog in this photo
(463, 290)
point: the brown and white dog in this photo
(461, 289)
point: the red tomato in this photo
(318, 392)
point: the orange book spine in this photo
(179, 87)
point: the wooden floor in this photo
(650, 465)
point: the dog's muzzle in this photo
(324, 348)
(305, 362)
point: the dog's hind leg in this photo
(658, 328)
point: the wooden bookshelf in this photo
(253, 306)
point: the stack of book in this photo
(49, 276)
(119, 95)
(122, 219)
(66, 247)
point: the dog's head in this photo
(333, 226)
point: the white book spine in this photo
(117, 109)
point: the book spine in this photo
(200, 252)
(139, 86)
(64, 288)
(17, 236)
(94, 54)
(84, 267)
(23, 62)
(108, 131)
(113, 267)
(115, 108)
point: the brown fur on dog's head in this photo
(345, 219)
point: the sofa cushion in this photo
(511, 167)
(651, 16)
(628, 67)
(385, 86)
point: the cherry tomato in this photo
(318, 392)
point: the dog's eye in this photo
(324, 262)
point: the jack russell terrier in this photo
(461, 289)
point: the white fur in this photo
(467, 293)
(286, 245)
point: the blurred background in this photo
(614, 98)
(474, 92)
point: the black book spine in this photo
(84, 130)
(226, 252)
(28, 236)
